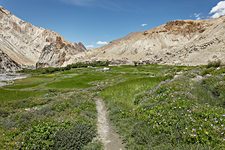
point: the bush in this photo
(3, 113)
(41, 136)
(214, 64)
(75, 138)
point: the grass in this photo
(120, 100)
(148, 107)
(126, 91)
(30, 82)
(35, 126)
(183, 113)
(79, 81)
(13, 95)
(35, 116)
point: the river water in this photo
(6, 79)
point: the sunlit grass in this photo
(79, 81)
(126, 91)
(13, 95)
(38, 106)
(30, 82)
(182, 113)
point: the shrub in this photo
(51, 70)
(3, 113)
(214, 64)
(75, 138)
(41, 136)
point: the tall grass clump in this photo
(214, 64)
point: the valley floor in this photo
(144, 107)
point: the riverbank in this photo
(9, 78)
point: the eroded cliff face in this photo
(7, 64)
(59, 53)
(177, 42)
(27, 44)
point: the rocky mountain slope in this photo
(59, 53)
(186, 42)
(7, 64)
(24, 43)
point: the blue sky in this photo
(101, 21)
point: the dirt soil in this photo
(110, 139)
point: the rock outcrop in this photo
(7, 64)
(188, 42)
(58, 53)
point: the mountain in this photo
(24, 43)
(181, 42)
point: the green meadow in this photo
(155, 107)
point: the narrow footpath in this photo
(110, 139)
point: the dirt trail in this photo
(108, 136)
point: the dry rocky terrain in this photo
(179, 42)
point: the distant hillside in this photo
(187, 42)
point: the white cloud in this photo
(144, 24)
(79, 2)
(102, 43)
(105, 4)
(89, 46)
(197, 16)
(218, 10)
